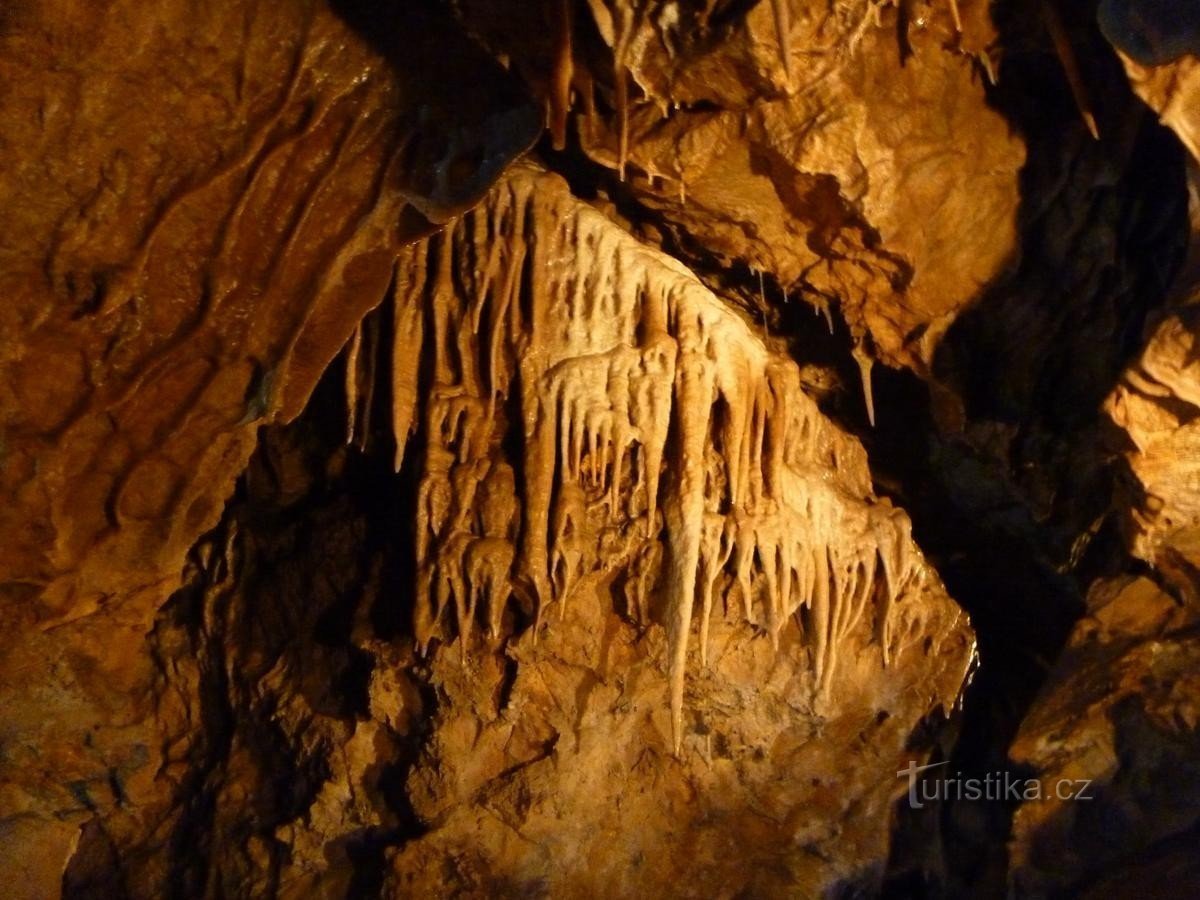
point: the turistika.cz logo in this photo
(994, 786)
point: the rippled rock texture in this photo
(495, 448)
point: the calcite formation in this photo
(543, 318)
(770, 141)
(445, 451)
(558, 715)
(198, 209)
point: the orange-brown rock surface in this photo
(1118, 716)
(199, 208)
(1112, 743)
(773, 141)
(444, 449)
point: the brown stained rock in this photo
(837, 179)
(533, 747)
(721, 609)
(1120, 713)
(619, 351)
(305, 746)
(1172, 91)
(1158, 398)
(197, 206)
(558, 777)
(630, 618)
(1119, 710)
(1155, 406)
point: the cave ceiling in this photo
(589, 447)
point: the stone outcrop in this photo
(772, 141)
(445, 450)
(1113, 745)
(199, 209)
(1118, 714)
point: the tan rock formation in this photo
(1112, 743)
(613, 733)
(600, 352)
(197, 209)
(387, 517)
(774, 142)
(1118, 717)
(1172, 91)
(616, 349)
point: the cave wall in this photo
(200, 207)
(585, 563)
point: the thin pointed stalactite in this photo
(783, 31)
(407, 337)
(763, 501)
(352, 352)
(370, 327)
(562, 74)
(1070, 64)
(622, 99)
(865, 364)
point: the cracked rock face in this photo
(772, 141)
(576, 447)
(558, 705)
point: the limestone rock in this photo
(775, 142)
(198, 208)
(1113, 745)
(386, 517)
(628, 730)
(568, 767)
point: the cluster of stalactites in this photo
(537, 313)
(627, 28)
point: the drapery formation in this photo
(592, 411)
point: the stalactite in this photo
(957, 17)
(615, 346)
(716, 548)
(621, 75)
(685, 516)
(783, 32)
(1066, 56)
(352, 351)
(562, 74)
(407, 336)
(370, 328)
(865, 364)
